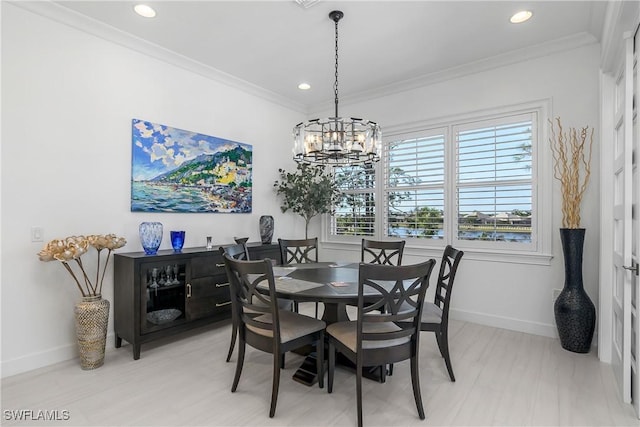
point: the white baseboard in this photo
(510, 323)
(45, 358)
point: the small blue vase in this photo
(177, 240)
(150, 237)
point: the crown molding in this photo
(60, 14)
(509, 58)
(306, 4)
(620, 17)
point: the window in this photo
(414, 186)
(494, 180)
(355, 212)
(470, 181)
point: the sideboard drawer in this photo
(207, 296)
(205, 266)
(208, 286)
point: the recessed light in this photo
(144, 10)
(520, 17)
(304, 86)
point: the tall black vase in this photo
(575, 313)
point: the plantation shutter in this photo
(494, 185)
(414, 186)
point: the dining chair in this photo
(435, 315)
(241, 252)
(238, 251)
(298, 251)
(380, 338)
(382, 252)
(265, 327)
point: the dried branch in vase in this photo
(572, 167)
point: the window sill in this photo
(531, 258)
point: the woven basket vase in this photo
(92, 317)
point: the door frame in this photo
(622, 19)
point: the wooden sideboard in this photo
(171, 292)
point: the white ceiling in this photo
(383, 44)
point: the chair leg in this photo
(316, 310)
(282, 361)
(239, 363)
(359, 368)
(295, 307)
(276, 383)
(332, 363)
(415, 381)
(320, 360)
(234, 333)
(443, 344)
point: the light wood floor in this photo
(503, 378)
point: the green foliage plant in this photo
(309, 191)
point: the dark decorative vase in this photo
(266, 229)
(574, 311)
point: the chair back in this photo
(390, 301)
(447, 274)
(385, 253)
(237, 251)
(297, 251)
(248, 303)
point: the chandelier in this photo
(337, 141)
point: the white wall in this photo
(67, 103)
(512, 296)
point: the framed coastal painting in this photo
(175, 170)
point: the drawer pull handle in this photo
(220, 265)
(223, 304)
(188, 290)
(222, 285)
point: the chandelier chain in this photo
(334, 141)
(335, 86)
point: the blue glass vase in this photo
(177, 240)
(150, 237)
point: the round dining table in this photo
(333, 284)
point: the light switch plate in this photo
(37, 234)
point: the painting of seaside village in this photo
(175, 170)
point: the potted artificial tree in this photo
(574, 311)
(309, 191)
